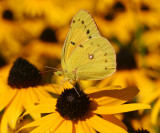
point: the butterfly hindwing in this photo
(92, 60)
(82, 29)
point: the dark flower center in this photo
(72, 106)
(142, 131)
(2, 61)
(23, 74)
(7, 14)
(144, 7)
(48, 35)
(109, 16)
(119, 7)
(125, 60)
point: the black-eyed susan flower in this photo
(23, 88)
(89, 111)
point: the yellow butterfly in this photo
(86, 55)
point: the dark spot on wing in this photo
(84, 26)
(90, 37)
(73, 43)
(105, 54)
(106, 61)
(73, 21)
(87, 32)
(81, 45)
(105, 68)
(82, 22)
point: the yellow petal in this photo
(40, 94)
(83, 127)
(41, 121)
(48, 101)
(104, 126)
(152, 97)
(28, 103)
(121, 108)
(155, 112)
(52, 88)
(114, 120)
(33, 95)
(6, 97)
(117, 79)
(65, 126)
(56, 125)
(98, 89)
(43, 92)
(114, 97)
(45, 106)
(46, 126)
(15, 109)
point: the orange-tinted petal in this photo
(98, 89)
(6, 97)
(114, 97)
(121, 108)
(104, 126)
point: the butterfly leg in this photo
(74, 87)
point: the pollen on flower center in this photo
(23, 74)
(72, 106)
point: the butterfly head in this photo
(59, 73)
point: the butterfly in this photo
(86, 55)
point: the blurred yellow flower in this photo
(117, 21)
(90, 111)
(148, 12)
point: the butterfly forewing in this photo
(82, 29)
(93, 60)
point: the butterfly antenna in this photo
(51, 68)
